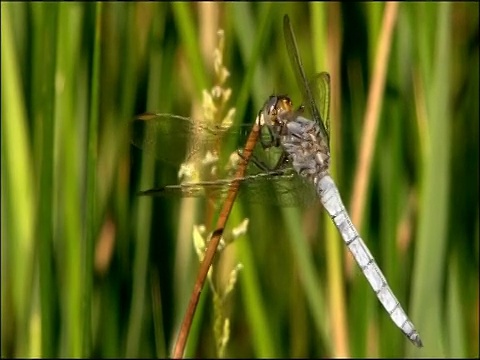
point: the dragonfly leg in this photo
(258, 163)
(273, 141)
(282, 160)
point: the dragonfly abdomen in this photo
(310, 158)
(331, 200)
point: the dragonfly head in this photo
(276, 106)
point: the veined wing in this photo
(282, 187)
(320, 88)
(179, 140)
(170, 138)
(317, 89)
(176, 139)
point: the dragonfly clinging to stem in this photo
(301, 140)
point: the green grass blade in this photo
(188, 33)
(18, 197)
(68, 179)
(91, 215)
(42, 92)
(432, 230)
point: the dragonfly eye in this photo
(271, 105)
(272, 111)
(273, 108)
(286, 104)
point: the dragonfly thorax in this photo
(309, 153)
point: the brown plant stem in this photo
(213, 244)
(374, 104)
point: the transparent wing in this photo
(279, 187)
(177, 140)
(309, 96)
(320, 87)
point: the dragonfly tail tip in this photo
(415, 339)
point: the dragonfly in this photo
(290, 165)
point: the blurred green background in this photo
(90, 269)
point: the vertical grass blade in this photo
(187, 30)
(91, 214)
(137, 316)
(18, 197)
(68, 177)
(432, 229)
(42, 108)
